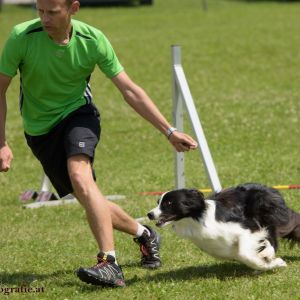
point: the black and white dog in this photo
(242, 223)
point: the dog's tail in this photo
(291, 230)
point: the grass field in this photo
(242, 61)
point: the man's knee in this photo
(80, 173)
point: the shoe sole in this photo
(90, 279)
(152, 266)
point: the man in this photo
(55, 56)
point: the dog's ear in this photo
(195, 193)
(189, 195)
(192, 203)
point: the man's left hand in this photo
(182, 142)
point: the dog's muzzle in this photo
(162, 220)
(154, 213)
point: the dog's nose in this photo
(151, 215)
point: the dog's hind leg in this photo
(265, 260)
(268, 255)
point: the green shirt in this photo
(55, 78)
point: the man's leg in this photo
(106, 271)
(94, 203)
(121, 220)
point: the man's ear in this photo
(75, 7)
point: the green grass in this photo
(242, 64)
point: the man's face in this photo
(55, 15)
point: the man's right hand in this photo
(6, 157)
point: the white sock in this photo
(141, 229)
(112, 253)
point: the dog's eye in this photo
(169, 202)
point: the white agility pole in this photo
(182, 94)
(178, 123)
(45, 184)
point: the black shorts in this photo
(78, 133)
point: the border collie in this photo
(242, 223)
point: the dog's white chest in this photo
(216, 238)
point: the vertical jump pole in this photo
(177, 119)
(181, 93)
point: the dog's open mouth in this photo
(164, 220)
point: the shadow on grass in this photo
(132, 264)
(224, 271)
(288, 258)
(221, 271)
(25, 279)
(20, 278)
